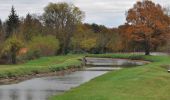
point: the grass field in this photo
(42, 65)
(148, 82)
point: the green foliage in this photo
(43, 45)
(62, 18)
(12, 23)
(94, 38)
(84, 39)
(88, 44)
(11, 47)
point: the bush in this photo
(88, 44)
(11, 48)
(41, 46)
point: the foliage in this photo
(63, 18)
(30, 27)
(1, 32)
(12, 23)
(93, 38)
(11, 47)
(83, 39)
(45, 45)
(64, 22)
(88, 44)
(144, 27)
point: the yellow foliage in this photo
(89, 43)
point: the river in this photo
(42, 88)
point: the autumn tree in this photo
(83, 40)
(93, 38)
(12, 23)
(63, 18)
(112, 41)
(126, 43)
(147, 25)
(105, 36)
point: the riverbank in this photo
(15, 80)
(148, 82)
(45, 66)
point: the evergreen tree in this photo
(12, 23)
(1, 30)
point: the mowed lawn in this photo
(147, 82)
(41, 65)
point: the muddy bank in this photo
(13, 80)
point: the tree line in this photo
(60, 30)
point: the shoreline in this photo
(15, 80)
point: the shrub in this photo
(11, 47)
(45, 45)
(88, 44)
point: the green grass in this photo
(42, 65)
(147, 82)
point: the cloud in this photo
(107, 12)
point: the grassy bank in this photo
(148, 82)
(42, 65)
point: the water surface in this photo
(42, 88)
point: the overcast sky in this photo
(107, 12)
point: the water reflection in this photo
(42, 88)
(113, 62)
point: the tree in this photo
(30, 27)
(27, 27)
(11, 47)
(88, 44)
(125, 40)
(12, 23)
(1, 31)
(63, 18)
(147, 25)
(112, 40)
(104, 36)
(84, 40)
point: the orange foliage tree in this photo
(147, 24)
